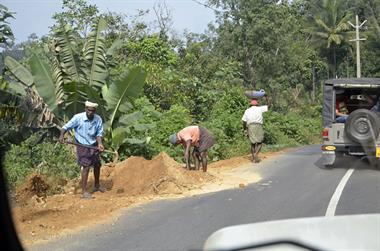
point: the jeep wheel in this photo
(362, 126)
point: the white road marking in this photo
(338, 192)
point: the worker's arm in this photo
(267, 100)
(73, 123)
(61, 136)
(187, 153)
(100, 143)
(99, 135)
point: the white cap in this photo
(90, 104)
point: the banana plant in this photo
(38, 113)
(84, 71)
(118, 99)
(73, 76)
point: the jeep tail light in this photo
(325, 133)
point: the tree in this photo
(329, 30)
(78, 14)
(370, 49)
(6, 34)
(164, 18)
(267, 39)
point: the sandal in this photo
(86, 195)
(98, 189)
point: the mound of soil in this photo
(161, 175)
(34, 187)
(128, 183)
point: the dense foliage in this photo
(35, 155)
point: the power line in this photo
(208, 6)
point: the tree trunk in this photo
(334, 62)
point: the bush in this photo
(289, 129)
(226, 125)
(150, 117)
(53, 160)
(170, 122)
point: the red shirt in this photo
(189, 133)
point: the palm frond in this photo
(322, 24)
(336, 39)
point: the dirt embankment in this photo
(136, 180)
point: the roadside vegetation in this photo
(151, 80)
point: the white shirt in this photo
(254, 114)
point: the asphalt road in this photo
(294, 185)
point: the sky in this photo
(34, 16)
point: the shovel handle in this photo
(95, 148)
(91, 147)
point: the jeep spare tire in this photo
(362, 126)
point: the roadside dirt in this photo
(129, 183)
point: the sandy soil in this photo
(128, 183)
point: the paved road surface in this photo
(294, 185)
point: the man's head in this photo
(90, 109)
(173, 139)
(254, 102)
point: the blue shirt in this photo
(85, 130)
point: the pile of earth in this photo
(132, 177)
(161, 175)
(128, 183)
(35, 187)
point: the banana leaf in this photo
(57, 74)
(76, 95)
(118, 135)
(128, 87)
(134, 141)
(44, 83)
(19, 71)
(66, 48)
(17, 88)
(130, 119)
(95, 65)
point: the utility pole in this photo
(357, 39)
(313, 73)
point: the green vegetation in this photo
(151, 83)
(55, 161)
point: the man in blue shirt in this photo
(88, 131)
